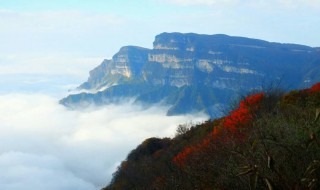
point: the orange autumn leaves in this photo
(230, 126)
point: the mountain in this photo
(193, 72)
(269, 141)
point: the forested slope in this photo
(269, 141)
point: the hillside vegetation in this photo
(269, 141)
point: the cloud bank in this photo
(45, 146)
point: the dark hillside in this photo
(269, 141)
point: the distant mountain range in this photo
(194, 72)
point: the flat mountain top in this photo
(197, 73)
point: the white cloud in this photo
(299, 3)
(200, 2)
(45, 146)
(19, 171)
(257, 3)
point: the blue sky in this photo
(70, 37)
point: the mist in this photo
(43, 145)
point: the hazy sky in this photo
(70, 37)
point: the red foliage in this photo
(315, 88)
(229, 128)
(183, 154)
(242, 116)
(239, 118)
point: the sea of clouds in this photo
(43, 145)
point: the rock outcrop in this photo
(192, 72)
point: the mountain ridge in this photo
(220, 65)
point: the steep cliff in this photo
(193, 72)
(124, 65)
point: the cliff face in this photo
(204, 66)
(124, 65)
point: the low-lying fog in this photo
(43, 145)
